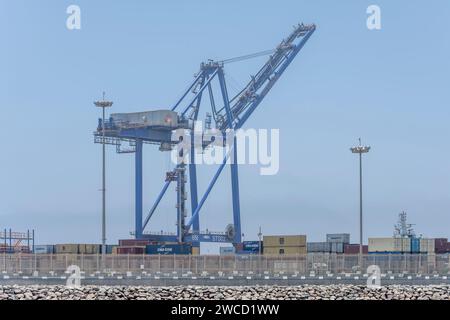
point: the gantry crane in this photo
(156, 127)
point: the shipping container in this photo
(415, 245)
(338, 237)
(66, 248)
(110, 248)
(81, 248)
(168, 249)
(227, 251)
(440, 245)
(130, 250)
(426, 245)
(134, 242)
(43, 249)
(337, 247)
(284, 241)
(318, 247)
(155, 118)
(93, 248)
(354, 248)
(390, 245)
(291, 250)
(252, 246)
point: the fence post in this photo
(182, 265)
(389, 262)
(204, 263)
(190, 257)
(406, 263)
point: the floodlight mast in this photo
(103, 104)
(360, 149)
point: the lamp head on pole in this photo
(360, 148)
(103, 103)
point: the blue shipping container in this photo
(168, 249)
(43, 249)
(415, 245)
(109, 248)
(227, 250)
(251, 246)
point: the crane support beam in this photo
(155, 205)
(235, 195)
(206, 194)
(193, 167)
(138, 189)
(199, 75)
(204, 85)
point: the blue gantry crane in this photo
(156, 127)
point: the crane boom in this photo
(260, 84)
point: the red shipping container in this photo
(130, 250)
(441, 245)
(354, 249)
(134, 242)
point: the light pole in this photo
(259, 249)
(103, 104)
(260, 241)
(360, 150)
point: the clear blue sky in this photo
(391, 87)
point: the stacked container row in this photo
(354, 248)
(389, 245)
(275, 245)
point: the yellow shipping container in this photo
(82, 248)
(427, 245)
(66, 248)
(93, 248)
(285, 250)
(284, 241)
(195, 251)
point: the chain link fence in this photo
(216, 264)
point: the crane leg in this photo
(194, 198)
(138, 190)
(235, 194)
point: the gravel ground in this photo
(307, 292)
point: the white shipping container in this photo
(427, 245)
(338, 237)
(389, 245)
